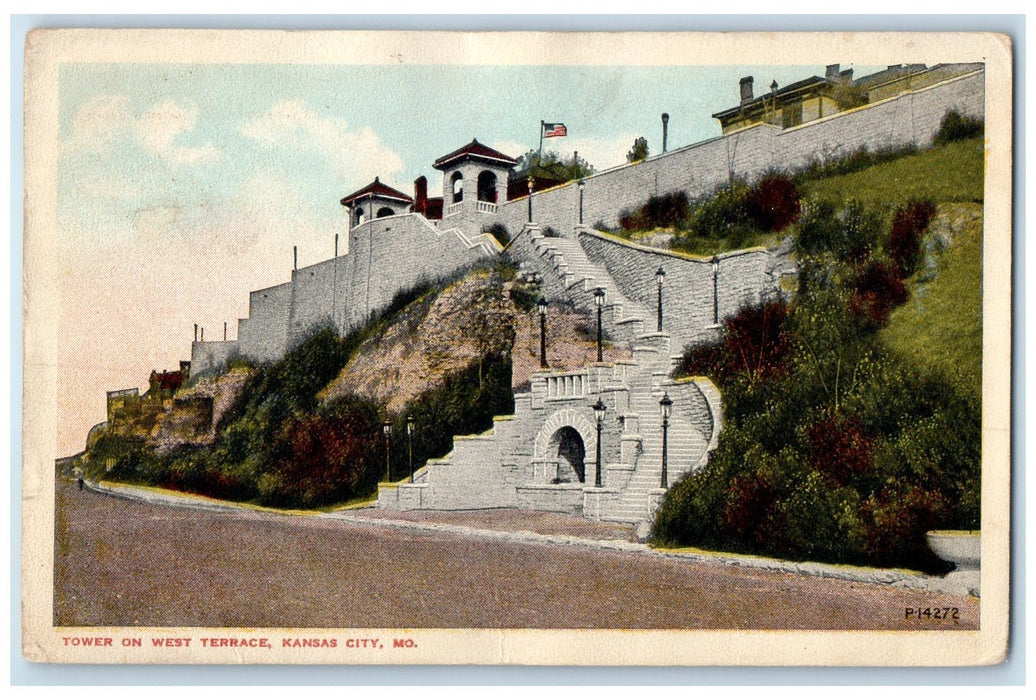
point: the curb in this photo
(881, 577)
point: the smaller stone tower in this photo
(376, 200)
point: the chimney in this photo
(196, 332)
(203, 335)
(295, 250)
(421, 195)
(665, 130)
(746, 89)
(336, 245)
(832, 71)
(224, 330)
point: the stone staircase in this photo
(624, 320)
(500, 468)
(686, 445)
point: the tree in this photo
(639, 151)
(551, 167)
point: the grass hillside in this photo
(940, 327)
(949, 173)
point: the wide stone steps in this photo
(623, 318)
(686, 445)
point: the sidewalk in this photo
(508, 525)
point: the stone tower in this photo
(376, 200)
(474, 179)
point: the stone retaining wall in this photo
(911, 118)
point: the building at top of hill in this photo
(817, 97)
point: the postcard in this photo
(516, 348)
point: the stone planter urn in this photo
(963, 549)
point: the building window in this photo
(457, 186)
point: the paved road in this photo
(121, 562)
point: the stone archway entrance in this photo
(562, 445)
(567, 445)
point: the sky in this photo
(183, 187)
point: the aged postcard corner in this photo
(438, 348)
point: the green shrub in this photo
(500, 233)
(661, 211)
(856, 161)
(462, 405)
(957, 127)
(850, 231)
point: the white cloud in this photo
(510, 148)
(158, 128)
(355, 154)
(601, 153)
(106, 119)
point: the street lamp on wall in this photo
(531, 183)
(543, 332)
(715, 290)
(660, 278)
(386, 428)
(582, 186)
(666, 407)
(599, 300)
(599, 410)
(410, 437)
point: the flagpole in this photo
(539, 162)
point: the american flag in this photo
(552, 130)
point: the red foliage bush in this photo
(773, 204)
(908, 226)
(633, 220)
(749, 507)
(840, 449)
(755, 343)
(879, 289)
(328, 456)
(896, 519)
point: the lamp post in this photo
(582, 186)
(599, 300)
(410, 436)
(386, 428)
(599, 409)
(715, 290)
(531, 183)
(543, 332)
(666, 405)
(660, 278)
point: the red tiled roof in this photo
(168, 380)
(475, 150)
(378, 189)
